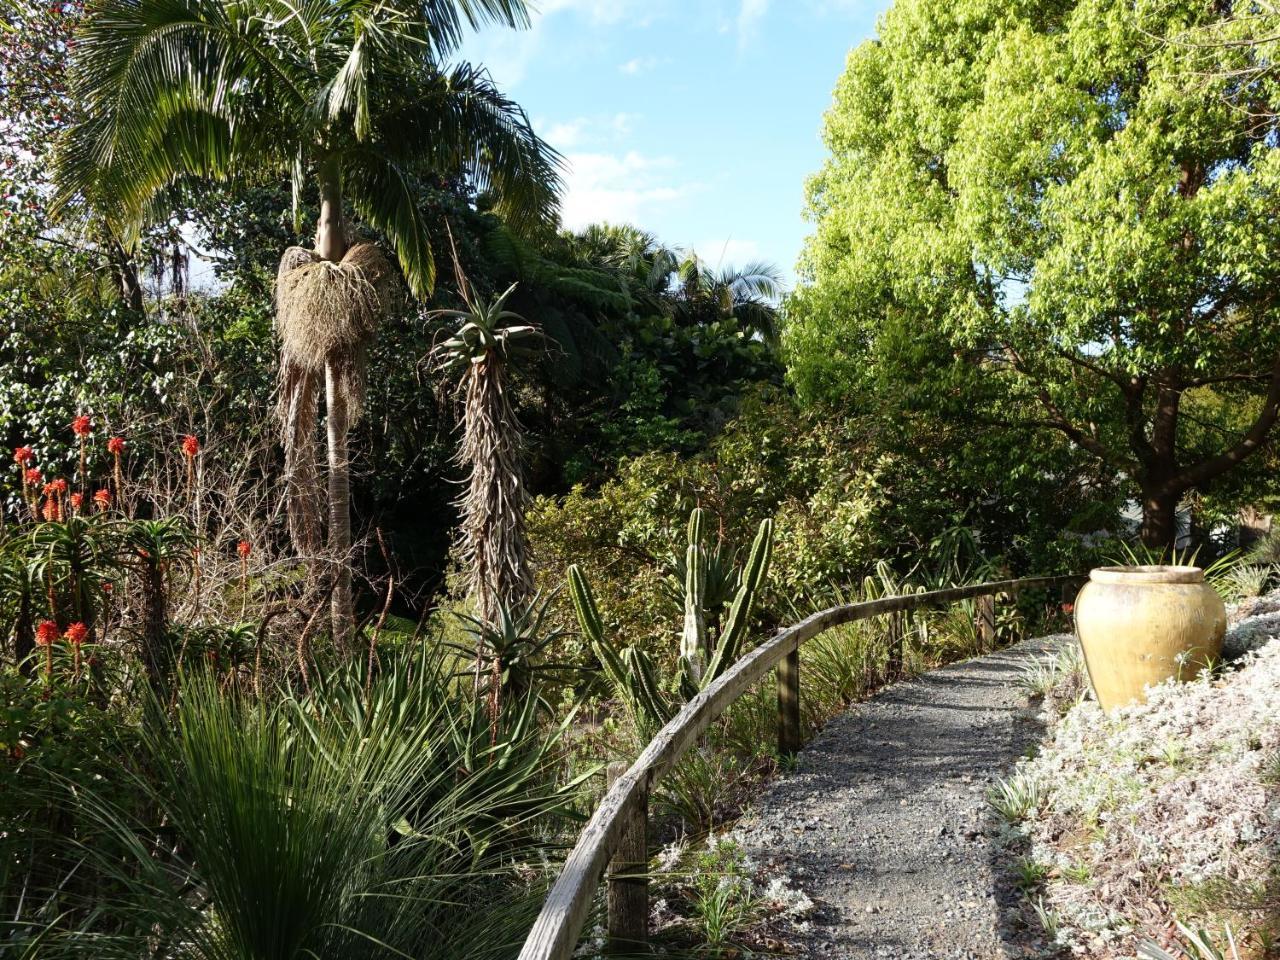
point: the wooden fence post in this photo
(789, 704)
(984, 617)
(628, 877)
(894, 669)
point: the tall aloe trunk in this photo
(493, 523)
(299, 402)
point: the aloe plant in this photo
(707, 647)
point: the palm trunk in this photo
(339, 507)
(331, 244)
(331, 233)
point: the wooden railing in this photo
(614, 839)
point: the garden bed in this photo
(1165, 812)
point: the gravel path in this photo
(885, 825)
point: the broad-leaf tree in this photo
(1089, 222)
(351, 100)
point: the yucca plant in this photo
(1016, 798)
(1222, 573)
(1244, 581)
(512, 653)
(515, 774)
(955, 556)
(1195, 945)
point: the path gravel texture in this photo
(885, 824)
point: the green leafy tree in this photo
(1083, 221)
(350, 100)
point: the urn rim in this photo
(1147, 573)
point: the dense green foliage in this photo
(1072, 208)
(842, 494)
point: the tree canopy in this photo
(1081, 203)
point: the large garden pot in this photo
(1142, 625)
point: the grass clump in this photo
(1016, 798)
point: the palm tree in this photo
(636, 254)
(681, 283)
(346, 98)
(749, 295)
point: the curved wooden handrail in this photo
(555, 932)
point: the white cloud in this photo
(509, 53)
(749, 16)
(581, 132)
(638, 65)
(565, 135)
(619, 188)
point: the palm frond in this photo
(460, 122)
(383, 193)
(755, 280)
(174, 88)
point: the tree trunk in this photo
(339, 506)
(1160, 520)
(126, 274)
(331, 244)
(331, 232)
(157, 655)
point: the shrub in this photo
(377, 816)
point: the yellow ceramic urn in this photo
(1142, 625)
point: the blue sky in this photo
(697, 120)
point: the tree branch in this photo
(1058, 420)
(1225, 378)
(1070, 355)
(1254, 439)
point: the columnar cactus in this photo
(693, 642)
(735, 626)
(632, 672)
